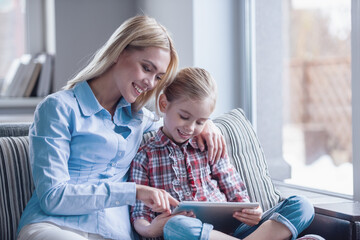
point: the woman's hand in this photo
(249, 216)
(214, 140)
(157, 199)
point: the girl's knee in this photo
(182, 227)
(187, 228)
(304, 205)
(298, 212)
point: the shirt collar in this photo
(162, 140)
(88, 103)
(125, 115)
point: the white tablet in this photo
(218, 214)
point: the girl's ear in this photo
(163, 103)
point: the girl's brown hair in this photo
(192, 83)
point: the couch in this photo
(16, 184)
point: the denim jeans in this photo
(295, 212)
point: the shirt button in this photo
(187, 193)
(113, 164)
(117, 203)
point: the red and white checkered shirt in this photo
(185, 172)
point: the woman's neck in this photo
(103, 90)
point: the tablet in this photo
(219, 214)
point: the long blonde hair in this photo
(192, 83)
(138, 32)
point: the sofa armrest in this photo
(14, 129)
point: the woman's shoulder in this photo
(147, 113)
(151, 120)
(62, 99)
(61, 95)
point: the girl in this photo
(172, 161)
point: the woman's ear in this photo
(121, 55)
(163, 103)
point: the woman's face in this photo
(137, 71)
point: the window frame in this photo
(35, 26)
(247, 59)
(355, 83)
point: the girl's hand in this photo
(157, 225)
(249, 216)
(156, 199)
(214, 140)
(155, 229)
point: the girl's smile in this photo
(184, 118)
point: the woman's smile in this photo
(138, 89)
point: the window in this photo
(12, 32)
(307, 45)
(317, 126)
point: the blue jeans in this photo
(295, 212)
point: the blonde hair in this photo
(192, 83)
(138, 32)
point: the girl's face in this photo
(138, 71)
(184, 118)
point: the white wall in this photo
(216, 48)
(81, 27)
(269, 74)
(177, 17)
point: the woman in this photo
(84, 138)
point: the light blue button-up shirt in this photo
(80, 160)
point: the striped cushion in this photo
(16, 183)
(246, 154)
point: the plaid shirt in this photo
(184, 172)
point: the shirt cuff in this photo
(123, 194)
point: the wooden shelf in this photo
(19, 102)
